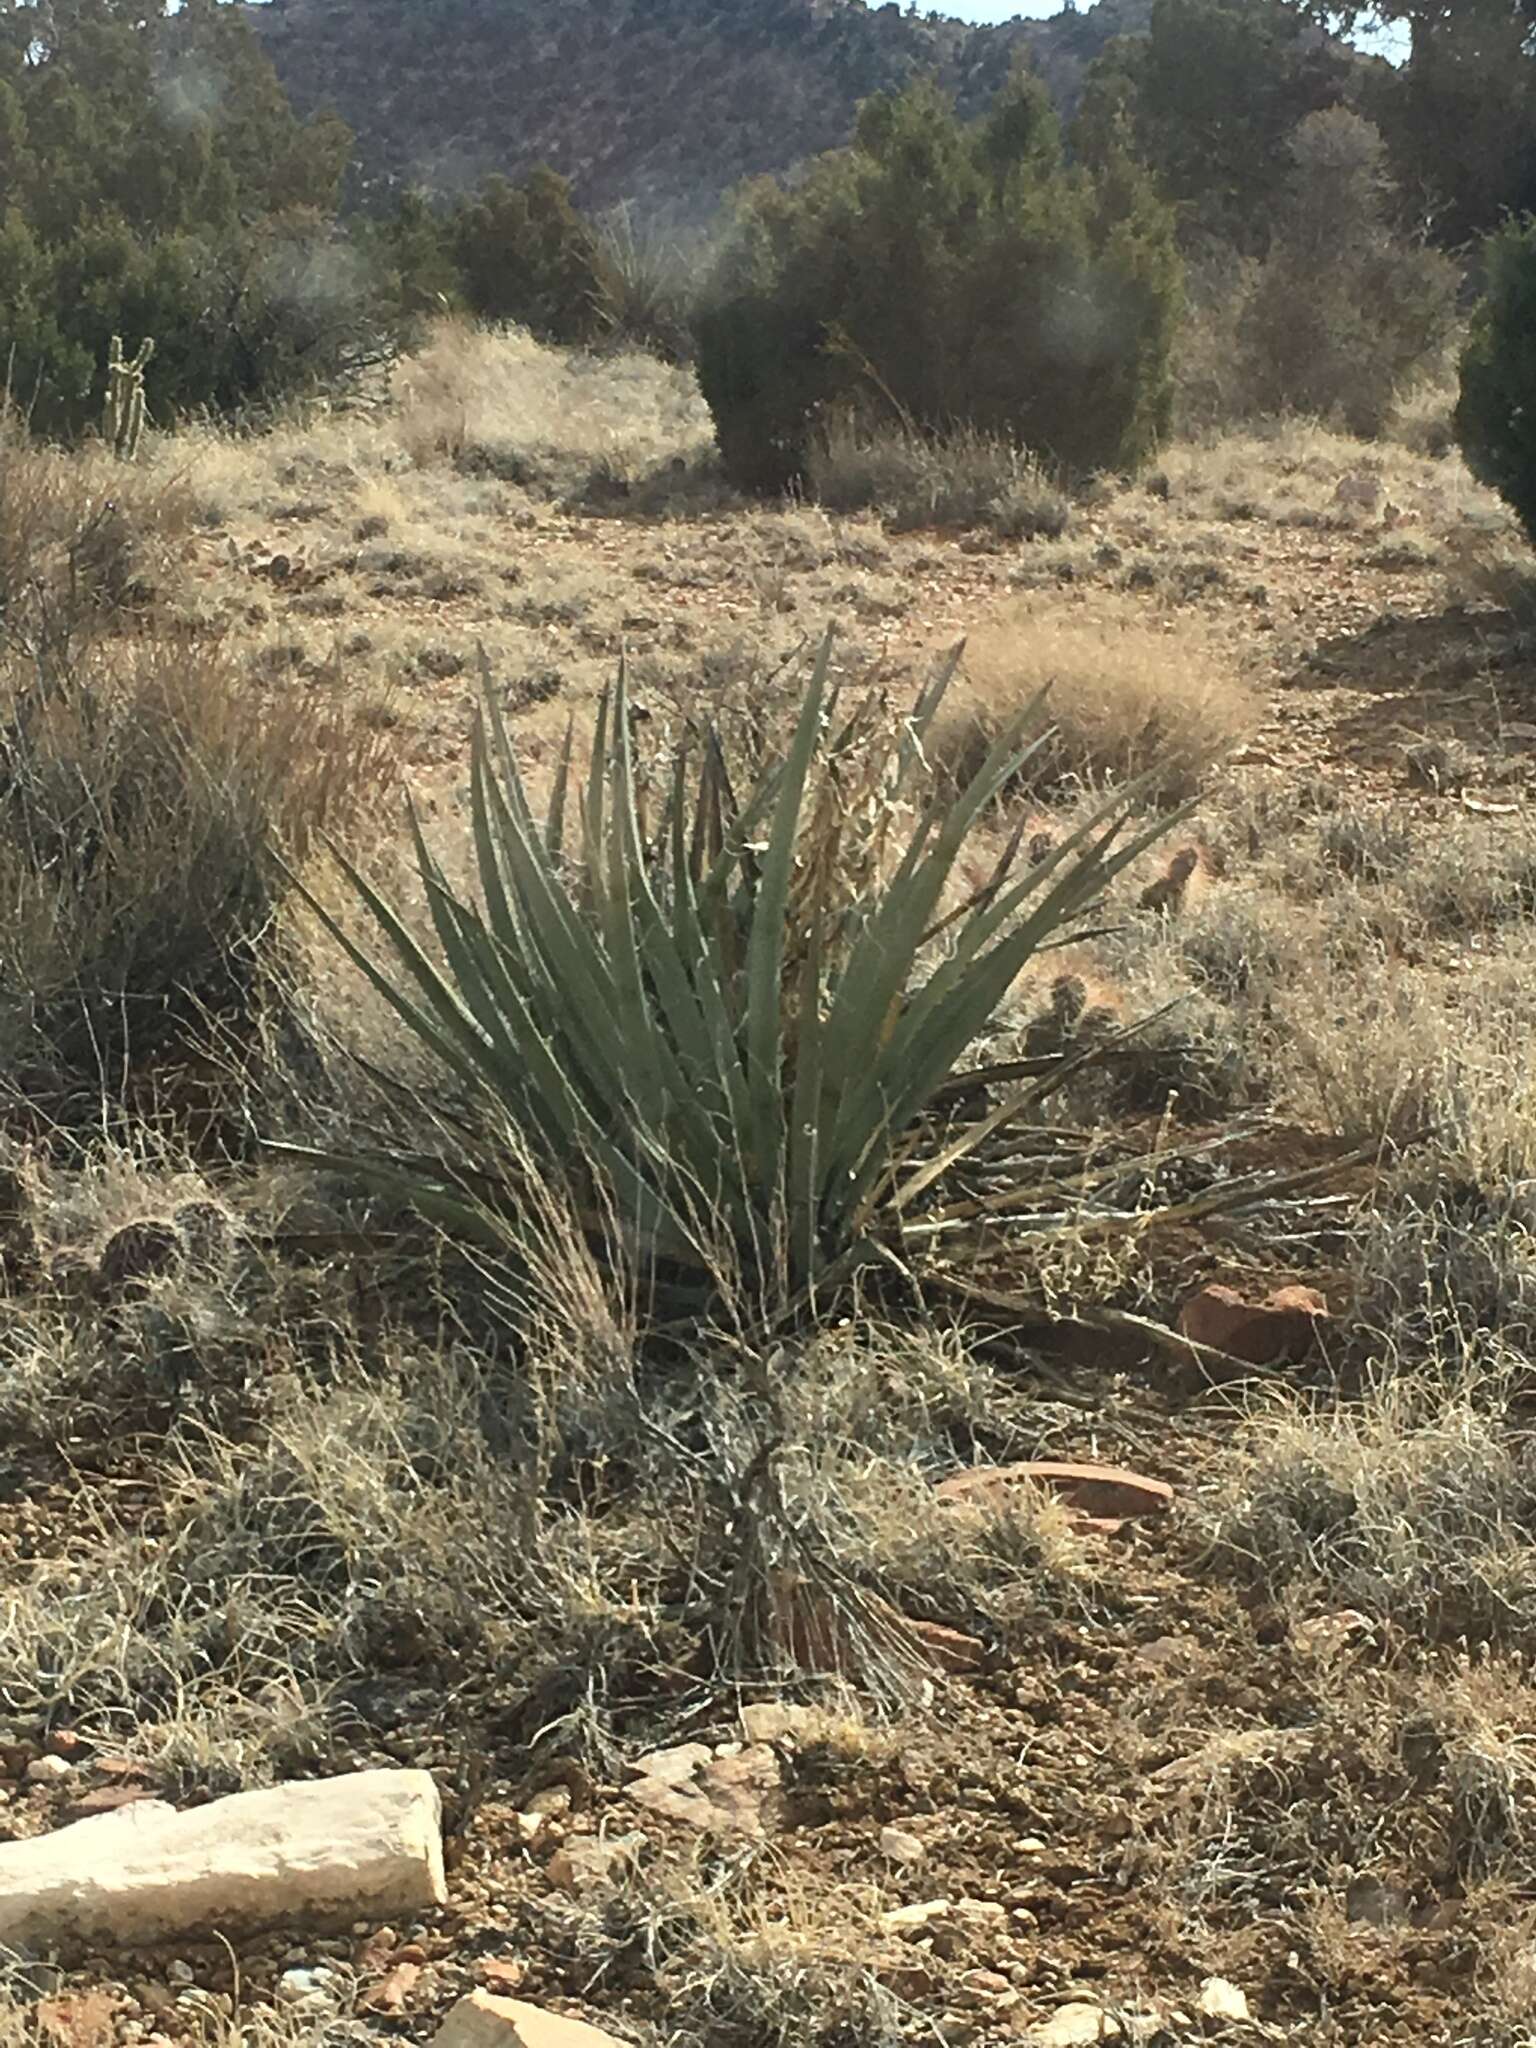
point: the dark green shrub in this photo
(524, 253)
(1496, 415)
(942, 274)
(155, 182)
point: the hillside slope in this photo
(665, 102)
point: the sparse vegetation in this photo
(960, 480)
(606, 1293)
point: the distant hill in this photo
(664, 102)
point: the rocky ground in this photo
(1243, 1752)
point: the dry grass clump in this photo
(1416, 1507)
(962, 479)
(1126, 695)
(744, 1954)
(82, 536)
(496, 402)
(145, 789)
(1379, 1794)
(1445, 1268)
(1296, 472)
(369, 1530)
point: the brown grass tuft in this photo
(1126, 694)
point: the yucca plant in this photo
(736, 1014)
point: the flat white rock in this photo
(364, 1846)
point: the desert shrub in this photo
(966, 478)
(142, 790)
(728, 1011)
(936, 274)
(525, 253)
(143, 783)
(1496, 413)
(1345, 310)
(1125, 694)
(80, 537)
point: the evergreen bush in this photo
(1496, 413)
(940, 274)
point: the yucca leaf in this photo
(765, 943)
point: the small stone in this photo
(1078, 2025)
(180, 1973)
(529, 1826)
(897, 1846)
(1324, 1635)
(501, 1974)
(1165, 1652)
(773, 1721)
(720, 1794)
(909, 1921)
(49, 1770)
(484, 2021)
(947, 1648)
(990, 1983)
(1031, 1845)
(312, 1993)
(553, 1801)
(1282, 1329)
(67, 1743)
(1220, 2000)
(674, 1766)
(985, 1910)
(588, 1861)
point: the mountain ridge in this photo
(666, 103)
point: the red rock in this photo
(107, 1799)
(67, 1743)
(393, 1990)
(1279, 1330)
(501, 1974)
(948, 1648)
(1104, 1495)
(120, 1767)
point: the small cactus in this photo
(123, 421)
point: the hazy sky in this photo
(1005, 10)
